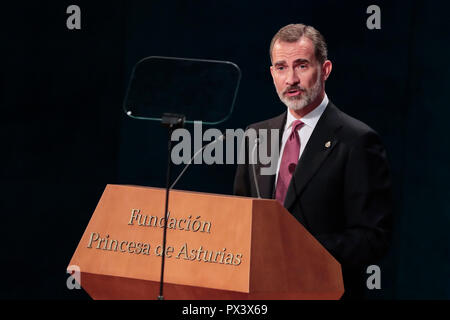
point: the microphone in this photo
(220, 138)
(256, 142)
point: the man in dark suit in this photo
(332, 172)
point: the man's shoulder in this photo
(354, 131)
(352, 124)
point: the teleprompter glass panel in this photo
(201, 90)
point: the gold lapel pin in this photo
(327, 144)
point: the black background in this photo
(64, 135)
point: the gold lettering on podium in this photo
(190, 224)
(200, 254)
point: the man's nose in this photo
(292, 77)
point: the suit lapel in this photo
(266, 182)
(319, 146)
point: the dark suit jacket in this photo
(341, 193)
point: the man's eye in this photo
(280, 68)
(302, 66)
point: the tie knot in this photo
(297, 124)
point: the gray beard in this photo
(306, 98)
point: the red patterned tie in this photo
(288, 162)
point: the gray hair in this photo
(293, 33)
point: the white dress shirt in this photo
(310, 120)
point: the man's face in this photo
(296, 73)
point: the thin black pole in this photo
(163, 260)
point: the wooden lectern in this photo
(218, 247)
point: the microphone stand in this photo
(171, 121)
(253, 162)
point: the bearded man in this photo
(332, 174)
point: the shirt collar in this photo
(310, 119)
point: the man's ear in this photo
(271, 71)
(326, 69)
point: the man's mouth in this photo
(293, 92)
